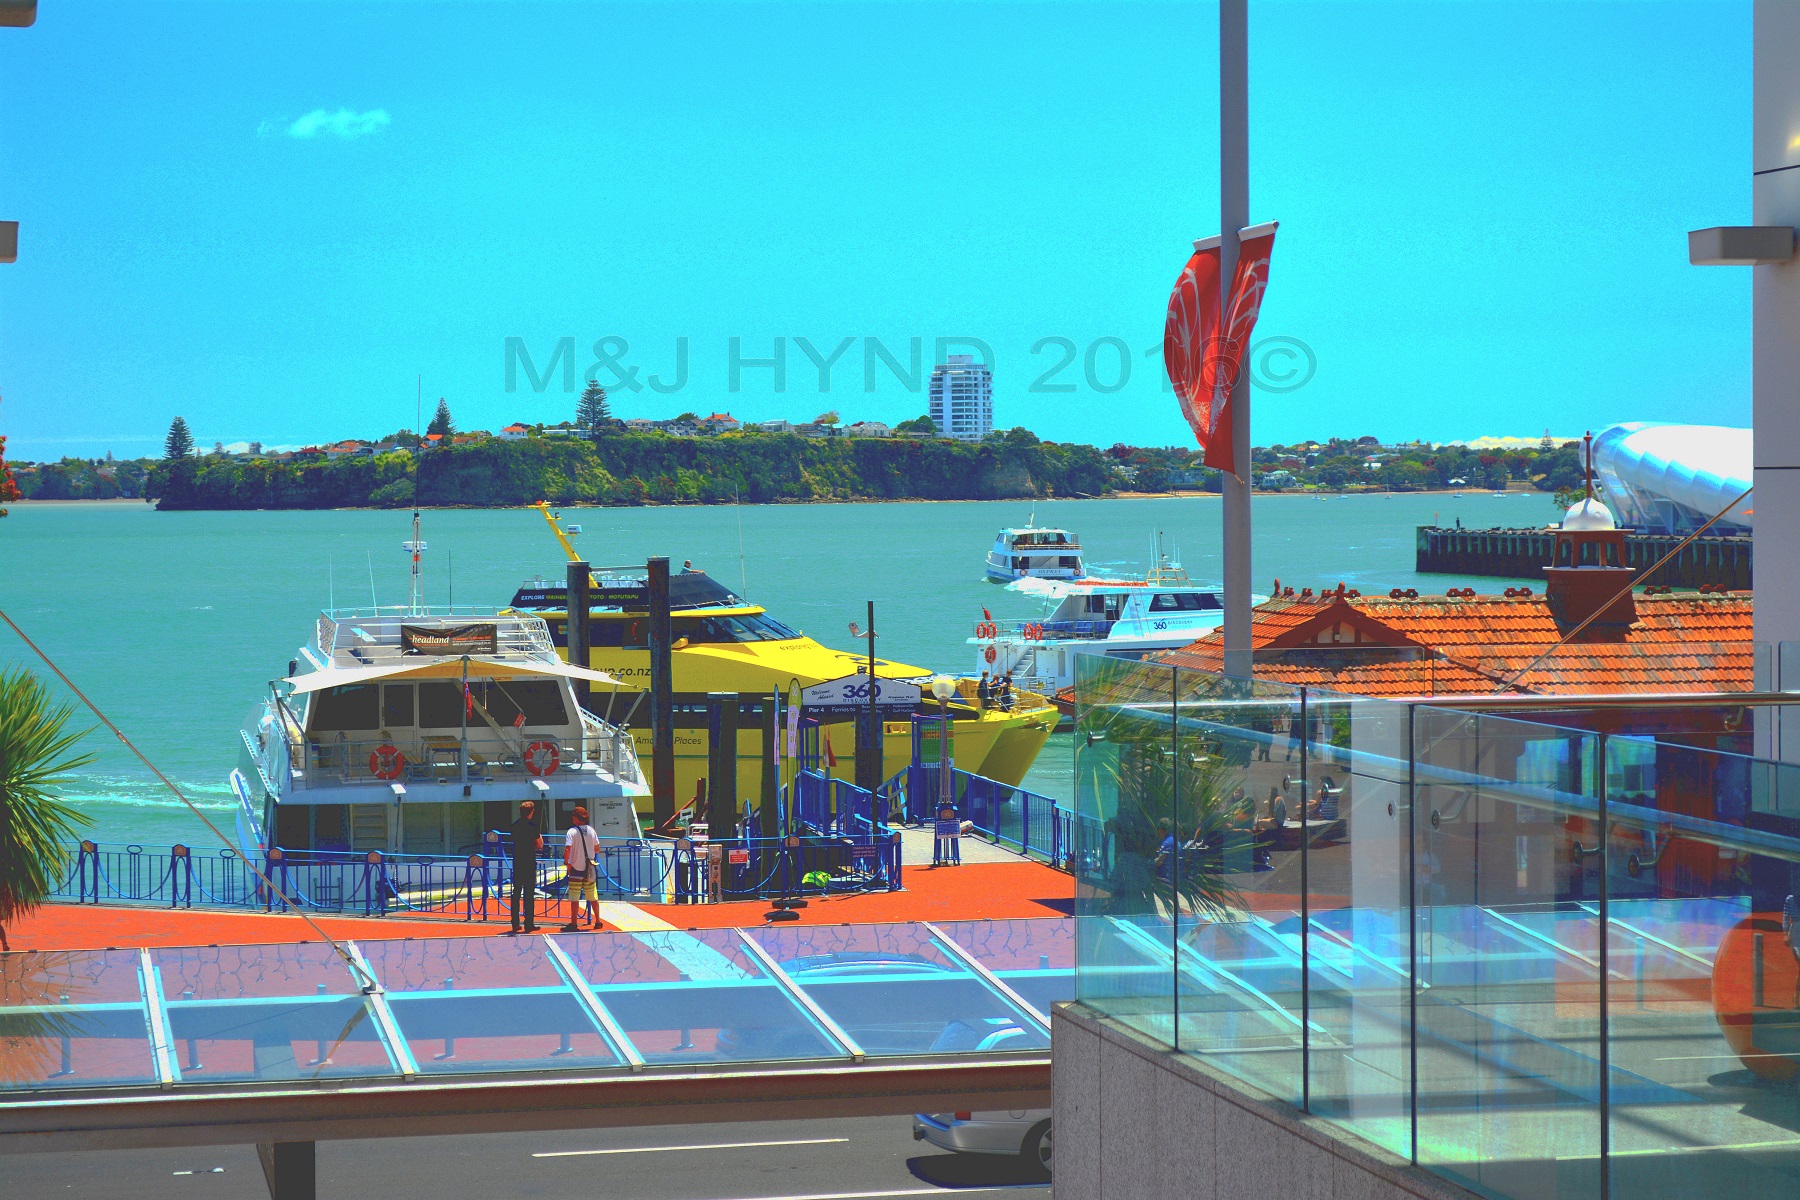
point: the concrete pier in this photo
(1524, 553)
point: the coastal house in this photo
(640, 425)
(776, 426)
(516, 432)
(348, 449)
(873, 429)
(718, 423)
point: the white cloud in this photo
(320, 122)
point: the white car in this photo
(1025, 1132)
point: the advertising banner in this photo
(450, 639)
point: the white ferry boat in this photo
(417, 730)
(1034, 552)
(1122, 618)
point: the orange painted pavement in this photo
(969, 892)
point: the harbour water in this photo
(175, 623)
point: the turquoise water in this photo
(174, 623)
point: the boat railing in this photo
(368, 636)
(1085, 629)
(337, 760)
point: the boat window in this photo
(396, 705)
(440, 705)
(748, 628)
(1183, 602)
(353, 706)
(620, 633)
(541, 701)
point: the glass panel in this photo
(1704, 998)
(896, 990)
(1508, 999)
(486, 1004)
(1238, 990)
(267, 1012)
(72, 1019)
(695, 996)
(1034, 957)
(1124, 837)
(1354, 784)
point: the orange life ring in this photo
(990, 654)
(542, 758)
(386, 762)
(986, 629)
(1034, 633)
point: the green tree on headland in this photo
(441, 422)
(180, 442)
(36, 824)
(916, 425)
(591, 411)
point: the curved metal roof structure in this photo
(1664, 478)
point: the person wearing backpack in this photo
(581, 847)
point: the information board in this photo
(849, 696)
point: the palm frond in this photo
(37, 753)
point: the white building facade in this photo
(962, 398)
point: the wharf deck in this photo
(972, 891)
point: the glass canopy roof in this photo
(181, 1018)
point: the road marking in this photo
(709, 1146)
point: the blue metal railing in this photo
(375, 883)
(1032, 823)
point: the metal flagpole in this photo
(1234, 214)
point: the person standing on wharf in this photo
(526, 843)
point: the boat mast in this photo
(415, 547)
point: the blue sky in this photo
(269, 218)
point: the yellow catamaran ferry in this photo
(722, 643)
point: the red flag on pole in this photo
(1188, 333)
(1202, 359)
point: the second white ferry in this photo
(1121, 618)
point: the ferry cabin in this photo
(370, 748)
(1034, 553)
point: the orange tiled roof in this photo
(1436, 645)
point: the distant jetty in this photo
(1524, 553)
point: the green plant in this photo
(36, 825)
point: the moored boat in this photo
(722, 643)
(1116, 617)
(417, 730)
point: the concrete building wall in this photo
(1137, 1122)
(1776, 290)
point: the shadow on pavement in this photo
(975, 1170)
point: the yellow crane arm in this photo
(543, 506)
